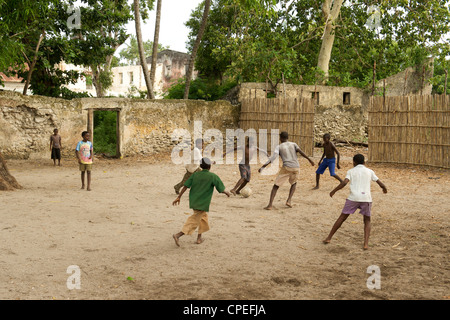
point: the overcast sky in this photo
(172, 32)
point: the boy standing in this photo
(202, 186)
(244, 166)
(192, 167)
(55, 147)
(288, 152)
(329, 151)
(359, 197)
(85, 155)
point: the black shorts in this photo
(244, 170)
(56, 153)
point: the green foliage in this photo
(105, 136)
(261, 43)
(200, 89)
(131, 53)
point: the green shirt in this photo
(202, 185)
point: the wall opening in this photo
(105, 130)
(346, 98)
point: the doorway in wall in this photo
(105, 133)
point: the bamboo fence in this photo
(294, 115)
(410, 130)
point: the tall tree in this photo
(155, 42)
(201, 31)
(330, 10)
(137, 18)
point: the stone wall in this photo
(340, 111)
(145, 126)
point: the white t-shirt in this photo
(196, 157)
(288, 153)
(360, 178)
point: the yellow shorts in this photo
(85, 167)
(286, 174)
(198, 219)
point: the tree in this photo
(137, 14)
(7, 181)
(155, 42)
(131, 53)
(201, 30)
(330, 10)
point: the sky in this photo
(172, 32)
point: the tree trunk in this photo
(155, 43)
(137, 16)
(7, 181)
(330, 10)
(201, 31)
(33, 64)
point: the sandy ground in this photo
(120, 236)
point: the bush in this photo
(105, 135)
(200, 89)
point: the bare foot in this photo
(289, 204)
(82, 187)
(326, 241)
(199, 241)
(88, 189)
(366, 247)
(233, 192)
(315, 188)
(268, 208)
(176, 239)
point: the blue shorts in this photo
(327, 163)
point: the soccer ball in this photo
(246, 192)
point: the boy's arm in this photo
(60, 142)
(226, 152)
(337, 154)
(264, 151)
(339, 187)
(177, 200)
(382, 186)
(275, 154)
(51, 143)
(77, 154)
(305, 156)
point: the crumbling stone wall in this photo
(146, 126)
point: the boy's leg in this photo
(203, 227)
(336, 226)
(338, 178)
(291, 193)
(272, 196)
(88, 181)
(367, 227)
(82, 179)
(317, 181)
(320, 170)
(177, 236)
(234, 190)
(180, 185)
(243, 184)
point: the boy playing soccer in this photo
(55, 147)
(192, 167)
(202, 184)
(288, 152)
(329, 162)
(244, 166)
(359, 197)
(85, 155)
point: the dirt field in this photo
(120, 236)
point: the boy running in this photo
(244, 166)
(192, 167)
(202, 184)
(288, 152)
(329, 151)
(55, 147)
(85, 155)
(359, 197)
